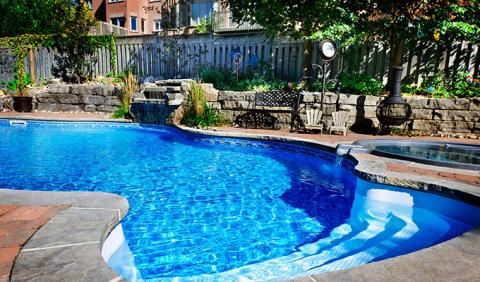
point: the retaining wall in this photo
(63, 97)
(458, 116)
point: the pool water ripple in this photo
(212, 209)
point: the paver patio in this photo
(17, 225)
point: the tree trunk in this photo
(396, 57)
(307, 61)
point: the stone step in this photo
(177, 89)
(154, 95)
(149, 101)
(172, 82)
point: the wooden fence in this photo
(183, 57)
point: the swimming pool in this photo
(204, 208)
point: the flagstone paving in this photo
(17, 225)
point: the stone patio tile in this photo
(29, 213)
(5, 209)
(17, 225)
(7, 257)
(303, 279)
(76, 199)
(15, 234)
(74, 263)
(90, 226)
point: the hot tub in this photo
(456, 155)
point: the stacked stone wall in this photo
(430, 115)
(62, 97)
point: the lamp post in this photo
(328, 52)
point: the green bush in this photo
(248, 81)
(13, 85)
(465, 85)
(205, 25)
(440, 86)
(360, 84)
(197, 112)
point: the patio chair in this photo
(340, 122)
(314, 120)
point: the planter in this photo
(22, 104)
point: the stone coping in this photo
(453, 260)
(67, 248)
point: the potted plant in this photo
(21, 101)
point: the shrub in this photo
(440, 86)
(465, 85)
(130, 86)
(197, 112)
(19, 85)
(360, 84)
(249, 81)
(219, 79)
(205, 25)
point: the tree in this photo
(300, 19)
(402, 22)
(75, 46)
(32, 16)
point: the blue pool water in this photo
(211, 209)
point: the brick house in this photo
(151, 16)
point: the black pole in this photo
(324, 82)
(395, 96)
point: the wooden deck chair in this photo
(340, 122)
(314, 120)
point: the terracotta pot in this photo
(23, 104)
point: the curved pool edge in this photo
(452, 260)
(68, 247)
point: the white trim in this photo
(60, 246)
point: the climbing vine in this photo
(21, 45)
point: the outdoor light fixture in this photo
(328, 52)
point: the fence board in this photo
(155, 56)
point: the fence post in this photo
(32, 65)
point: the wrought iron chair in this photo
(340, 122)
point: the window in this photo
(120, 21)
(87, 2)
(133, 23)
(200, 9)
(114, 1)
(143, 25)
(157, 25)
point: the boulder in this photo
(92, 100)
